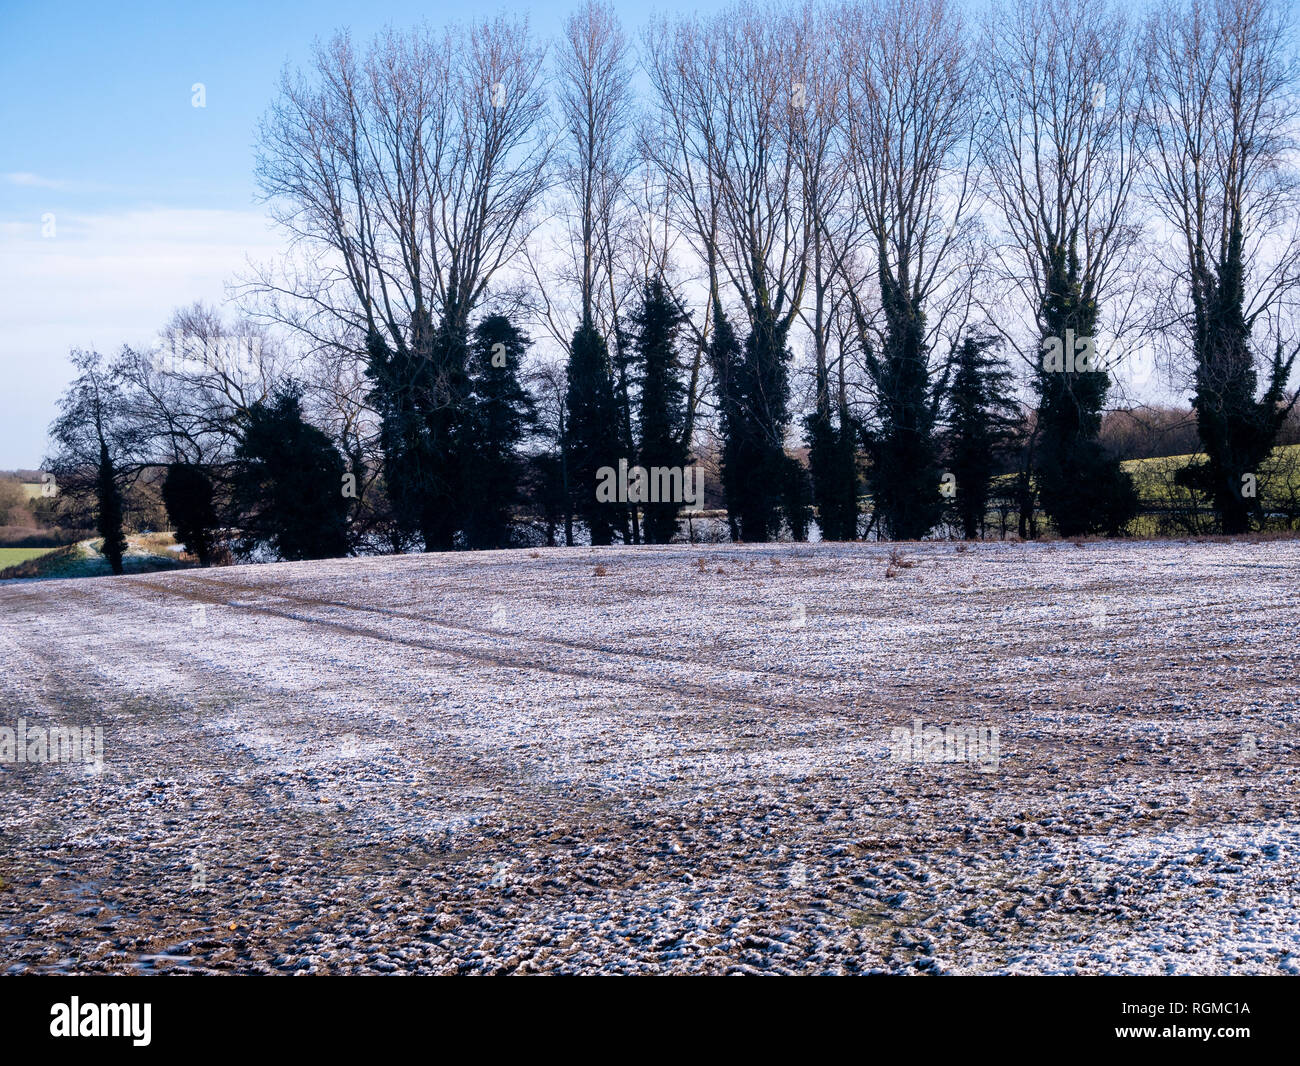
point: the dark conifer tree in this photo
(725, 357)
(497, 416)
(904, 473)
(982, 417)
(1237, 431)
(187, 494)
(753, 388)
(399, 379)
(543, 487)
(443, 408)
(109, 511)
(624, 362)
(763, 393)
(287, 486)
(592, 435)
(833, 466)
(420, 389)
(656, 325)
(796, 498)
(1082, 489)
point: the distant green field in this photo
(1159, 493)
(1154, 478)
(1282, 451)
(14, 556)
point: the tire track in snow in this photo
(713, 694)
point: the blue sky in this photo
(153, 200)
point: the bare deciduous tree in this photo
(595, 100)
(1060, 152)
(1221, 120)
(730, 104)
(410, 173)
(908, 109)
(408, 176)
(1059, 134)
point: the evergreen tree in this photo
(904, 473)
(592, 435)
(763, 395)
(443, 505)
(624, 359)
(99, 447)
(187, 494)
(420, 390)
(725, 360)
(498, 414)
(753, 389)
(1082, 489)
(982, 418)
(543, 482)
(656, 325)
(287, 487)
(796, 498)
(399, 379)
(833, 466)
(1236, 430)
(109, 511)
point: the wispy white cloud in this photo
(27, 180)
(103, 281)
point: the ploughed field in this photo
(663, 759)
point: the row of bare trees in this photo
(839, 198)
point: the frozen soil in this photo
(509, 762)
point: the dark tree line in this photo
(282, 489)
(803, 176)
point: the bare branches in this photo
(729, 105)
(1220, 119)
(409, 173)
(595, 101)
(908, 108)
(1059, 139)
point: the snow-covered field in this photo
(663, 759)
